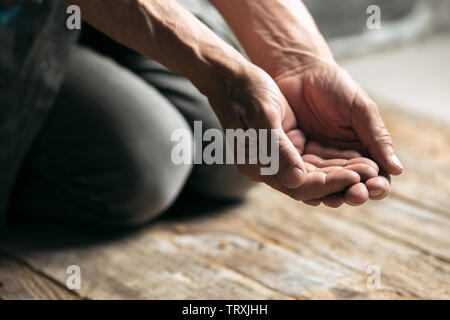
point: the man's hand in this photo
(333, 110)
(254, 101)
(282, 38)
(372, 185)
(242, 95)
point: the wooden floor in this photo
(269, 247)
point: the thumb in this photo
(374, 135)
(292, 172)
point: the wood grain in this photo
(19, 282)
(424, 148)
(269, 247)
(141, 266)
(316, 253)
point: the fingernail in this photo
(396, 161)
(293, 178)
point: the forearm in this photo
(164, 31)
(276, 34)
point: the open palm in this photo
(332, 110)
(256, 102)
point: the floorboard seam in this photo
(240, 274)
(405, 242)
(42, 274)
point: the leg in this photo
(218, 181)
(103, 155)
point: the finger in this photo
(313, 202)
(378, 187)
(356, 195)
(326, 152)
(386, 175)
(309, 167)
(298, 139)
(334, 163)
(365, 172)
(313, 159)
(343, 144)
(319, 185)
(364, 160)
(291, 171)
(334, 201)
(329, 169)
(321, 163)
(373, 134)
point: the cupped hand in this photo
(332, 109)
(373, 185)
(255, 102)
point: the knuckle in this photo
(383, 138)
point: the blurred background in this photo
(405, 63)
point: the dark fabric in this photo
(103, 156)
(217, 181)
(33, 51)
(32, 54)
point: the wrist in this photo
(298, 56)
(276, 35)
(220, 72)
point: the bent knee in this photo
(148, 182)
(144, 199)
(223, 182)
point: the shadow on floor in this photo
(37, 234)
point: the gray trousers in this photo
(103, 155)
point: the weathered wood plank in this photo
(18, 281)
(139, 266)
(341, 235)
(278, 245)
(424, 148)
(423, 184)
(301, 276)
(393, 218)
(426, 139)
(319, 252)
(271, 246)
